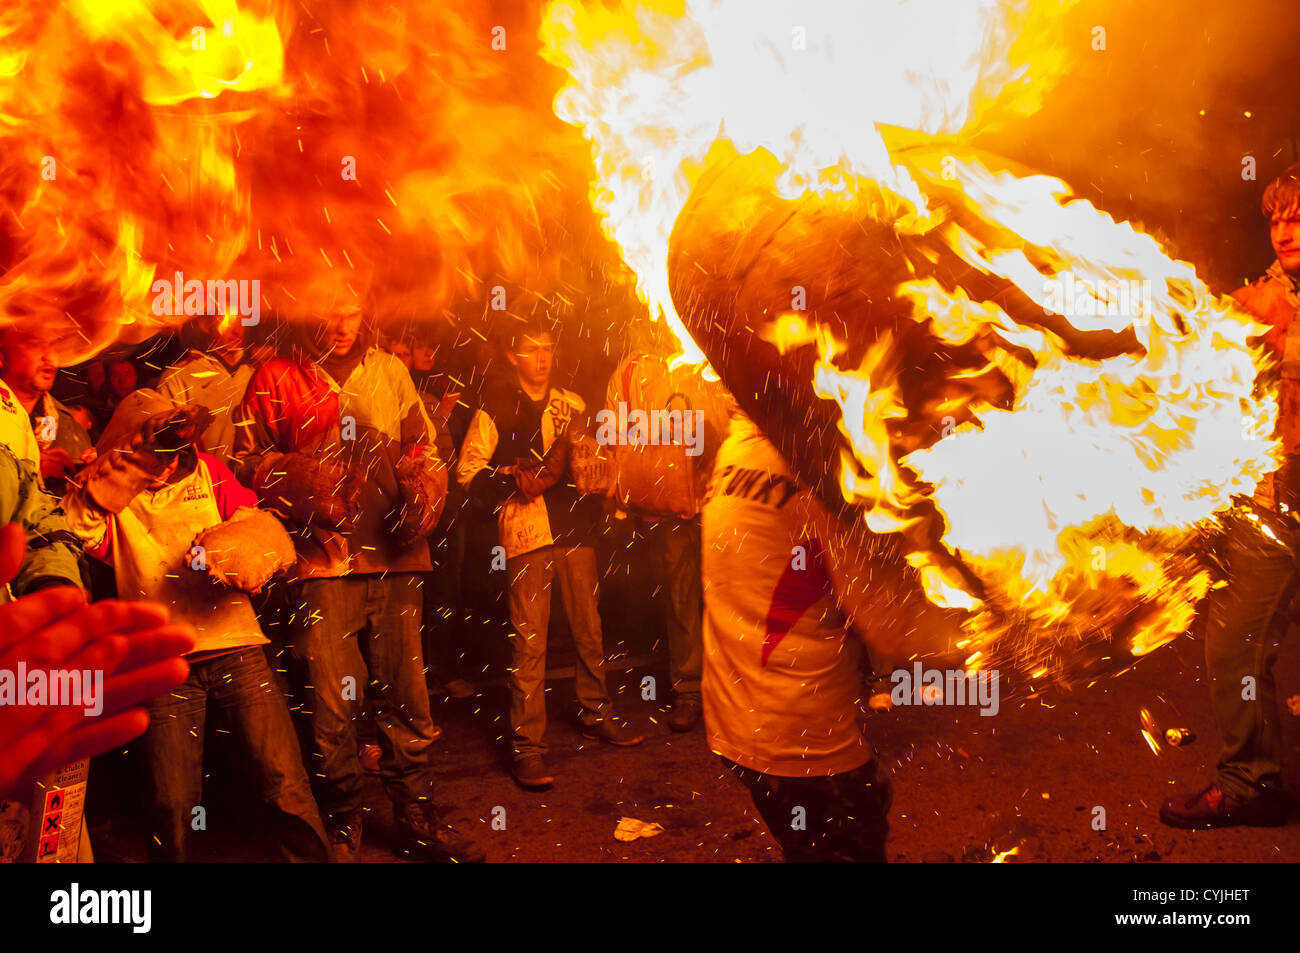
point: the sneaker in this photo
(345, 836)
(530, 772)
(1214, 807)
(685, 713)
(612, 731)
(421, 832)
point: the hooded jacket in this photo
(649, 383)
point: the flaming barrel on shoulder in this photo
(1029, 401)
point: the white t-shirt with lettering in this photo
(783, 686)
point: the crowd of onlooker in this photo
(304, 496)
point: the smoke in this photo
(403, 154)
(1157, 118)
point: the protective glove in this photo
(246, 550)
(316, 489)
(422, 485)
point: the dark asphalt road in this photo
(966, 786)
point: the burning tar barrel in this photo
(742, 256)
(808, 308)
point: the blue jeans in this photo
(355, 637)
(242, 686)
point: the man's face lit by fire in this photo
(341, 330)
(30, 361)
(162, 478)
(1284, 230)
(532, 358)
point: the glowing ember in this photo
(1150, 732)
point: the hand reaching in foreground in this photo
(131, 643)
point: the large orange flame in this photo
(377, 149)
(1074, 504)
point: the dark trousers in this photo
(357, 637)
(675, 564)
(242, 686)
(444, 613)
(531, 576)
(1248, 620)
(838, 818)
